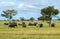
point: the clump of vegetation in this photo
(32, 19)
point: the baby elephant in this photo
(35, 23)
(23, 24)
(53, 25)
(40, 25)
(5, 23)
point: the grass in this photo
(30, 32)
(15, 36)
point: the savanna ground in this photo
(30, 32)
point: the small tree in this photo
(9, 14)
(22, 18)
(32, 19)
(49, 11)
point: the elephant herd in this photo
(23, 24)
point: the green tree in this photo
(49, 11)
(43, 18)
(22, 18)
(32, 19)
(58, 19)
(9, 14)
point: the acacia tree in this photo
(49, 11)
(9, 14)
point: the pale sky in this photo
(27, 8)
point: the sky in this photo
(27, 8)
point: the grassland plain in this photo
(30, 32)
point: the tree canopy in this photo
(31, 19)
(9, 13)
(49, 11)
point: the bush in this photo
(13, 20)
(4, 20)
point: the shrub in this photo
(13, 20)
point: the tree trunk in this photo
(50, 23)
(50, 17)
